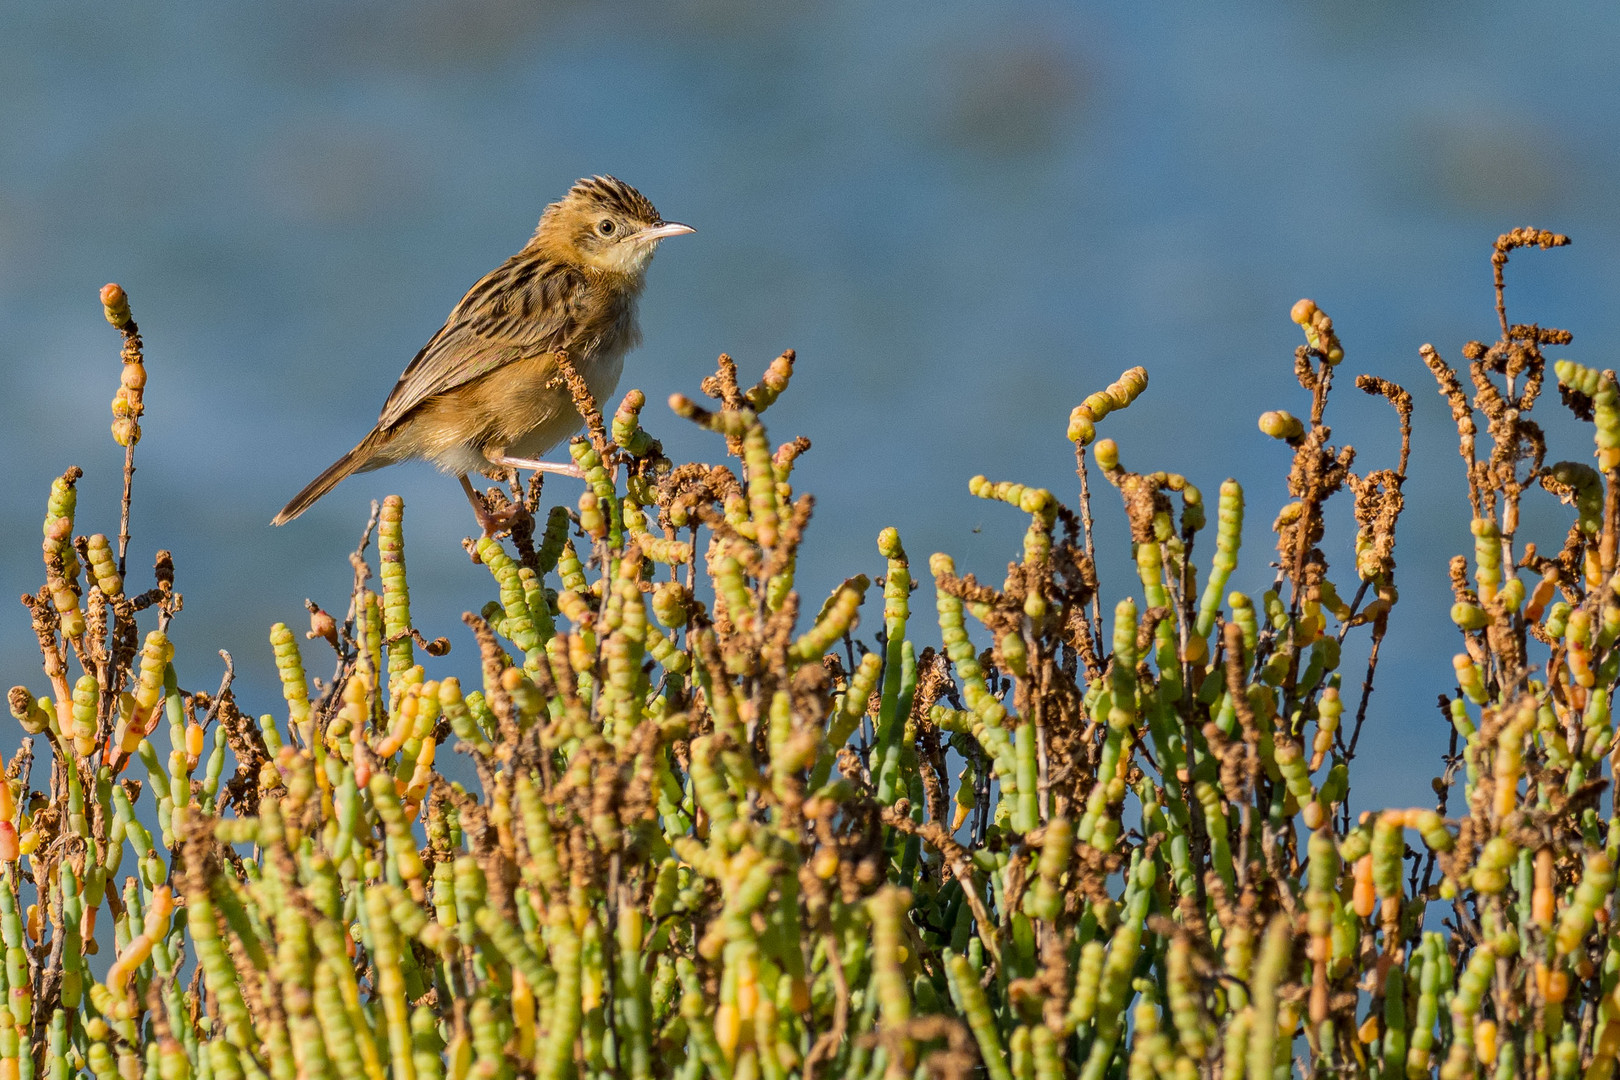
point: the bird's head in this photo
(604, 224)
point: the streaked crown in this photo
(610, 194)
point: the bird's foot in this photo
(561, 469)
(493, 521)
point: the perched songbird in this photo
(483, 394)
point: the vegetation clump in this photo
(1098, 829)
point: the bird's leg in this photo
(491, 521)
(569, 469)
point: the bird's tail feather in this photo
(357, 460)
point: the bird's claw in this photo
(493, 521)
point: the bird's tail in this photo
(357, 460)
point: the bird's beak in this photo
(660, 232)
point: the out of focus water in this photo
(964, 217)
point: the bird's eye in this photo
(605, 226)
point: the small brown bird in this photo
(483, 394)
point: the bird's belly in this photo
(521, 410)
(459, 459)
(556, 419)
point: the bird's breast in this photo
(600, 356)
(532, 411)
(523, 408)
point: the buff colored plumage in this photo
(482, 395)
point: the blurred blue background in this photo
(964, 217)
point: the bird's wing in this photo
(522, 309)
